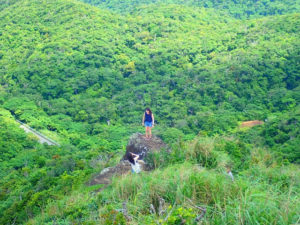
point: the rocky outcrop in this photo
(106, 174)
(137, 144)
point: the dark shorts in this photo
(148, 124)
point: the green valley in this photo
(83, 72)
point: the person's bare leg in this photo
(150, 134)
(146, 132)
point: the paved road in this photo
(42, 139)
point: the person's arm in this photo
(134, 154)
(152, 119)
(143, 119)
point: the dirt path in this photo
(251, 123)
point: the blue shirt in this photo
(148, 117)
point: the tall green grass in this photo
(245, 201)
(193, 175)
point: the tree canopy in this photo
(83, 76)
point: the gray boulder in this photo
(137, 144)
(141, 146)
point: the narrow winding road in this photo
(42, 138)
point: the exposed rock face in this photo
(106, 174)
(137, 144)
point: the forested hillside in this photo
(198, 70)
(6, 3)
(83, 75)
(240, 9)
(32, 174)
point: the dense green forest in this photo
(68, 67)
(240, 9)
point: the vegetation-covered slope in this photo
(46, 185)
(197, 69)
(6, 3)
(67, 68)
(31, 174)
(239, 9)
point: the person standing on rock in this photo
(148, 122)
